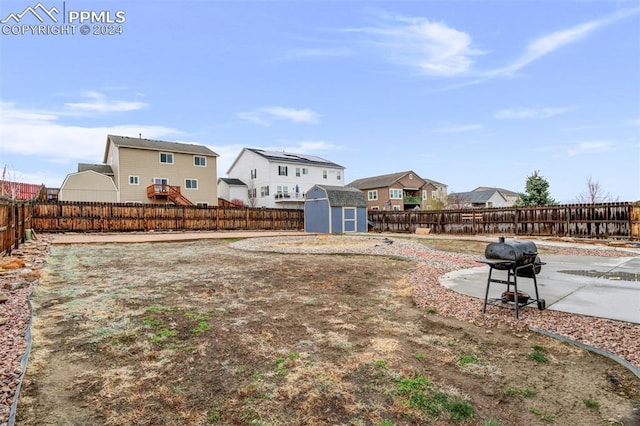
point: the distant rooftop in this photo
(233, 181)
(289, 157)
(156, 145)
(100, 168)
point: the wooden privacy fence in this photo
(611, 220)
(604, 221)
(121, 217)
(15, 217)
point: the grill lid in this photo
(518, 253)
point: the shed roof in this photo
(156, 145)
(100, 168)
(233, 181)
(343, 196)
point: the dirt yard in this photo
(200, 333)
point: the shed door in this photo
(349, 219)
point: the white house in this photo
(230, 189)
(277, 179)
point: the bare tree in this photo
(595, 194)
(8, 185)
(455, 201)
(438, 200)
(252, 193)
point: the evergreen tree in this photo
(536, 192)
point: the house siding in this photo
(74, 188)
(267, 175)
(146, 165)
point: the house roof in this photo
(343, 196)
(434, 183)
(289, 157)
(100, 168)
(156, 145)
(232, 181)
(505, 192)
(475, 196)
(383, 181)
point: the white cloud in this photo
(98, 103)
(556, 40)
(295, 115)
(524, 113)
(590, 147)
(229, 153)
(265, 116)
(433, 47)
(38, 133)
(255, 117)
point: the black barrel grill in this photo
(519, 259)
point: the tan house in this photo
(398, 191)
(148, 171)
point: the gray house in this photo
(335, 210)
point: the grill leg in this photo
(515, 296)
(486, 293)
(535, 282)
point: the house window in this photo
(264, 191)
(134, 180)
(305, 171)
(372, 195)
(282, 170)
(324, 174)
(396, 208)
(166, 158)
(202, 204)
(191, 183)
(424, 194)
(395, 194)
(297, 171)
(338, 175)
(199, 161)
(252, 192)
(376, 208)
(254, 173)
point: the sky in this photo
(467, 93)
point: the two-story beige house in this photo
(397, 191)
(137, 170)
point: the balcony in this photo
(286, 197)
(412, 200)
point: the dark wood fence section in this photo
(15, 218)
(117, 217)
(598, 221)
